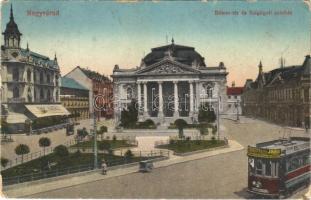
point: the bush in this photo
(214, 141)
(129, 117)
(105, 145)
(146, 124)
(77, 153)
(82, 133)
(4, 162)
(180, 124)
(171, 141)
(114, 138)
(128, 155)
(188, 138)
(61, 151)
(206, 114)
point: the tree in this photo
(129, 117)
(4, 162)
(82, 133)
(61, 151)
(101, 131)
(44, 142)
(22, 149)
(128, 155)
(180, 124)
(206, 114)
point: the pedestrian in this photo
(104, 167)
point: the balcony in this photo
(16, 81)
(16, 100)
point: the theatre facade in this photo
(172, 82)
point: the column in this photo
(176, 112)
(139, 96)
(191, 98)
(160, 100)
(145, 99)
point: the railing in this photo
(140, 155)
(35, 155)
(198, 137)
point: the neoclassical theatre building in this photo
(171, 83)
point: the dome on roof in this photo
(183, 54)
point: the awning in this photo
(15, 118)
(47, 110)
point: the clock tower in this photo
(12, 36)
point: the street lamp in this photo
(95, 132)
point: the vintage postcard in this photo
(155, 99)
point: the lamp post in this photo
(95, 132)
(236, 104)
(218, 127)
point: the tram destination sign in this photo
(263, 153)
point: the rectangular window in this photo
(258, 167)
(267, 164)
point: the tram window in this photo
(258, 165)
(267, 167)
(275, 169)
(251, 165)
(293, 164)
(306, 160)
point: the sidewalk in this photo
(26, 189)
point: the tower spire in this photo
(55, 58)
(27, 47)
(260, 67)
(11, 13)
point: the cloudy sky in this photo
(100, 34)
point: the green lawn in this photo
(73, 160)
(114, 144)
(184, 146)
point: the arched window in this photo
(34, 77)
(34, 94)
(15, 74)
(129, 93)
(28, 75)
(29, 95)
(48, 78)
(49, 95)
(56, 80)
(41, 77)
(41, 94)
(209, 92)
(56, 95)
(16, 92)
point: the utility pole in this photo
(218, 127)
(237, 110)
(95, 133)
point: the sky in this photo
(101, 34)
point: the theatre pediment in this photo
(167, 67)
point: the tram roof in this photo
(287, 145)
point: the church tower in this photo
(12, 36)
